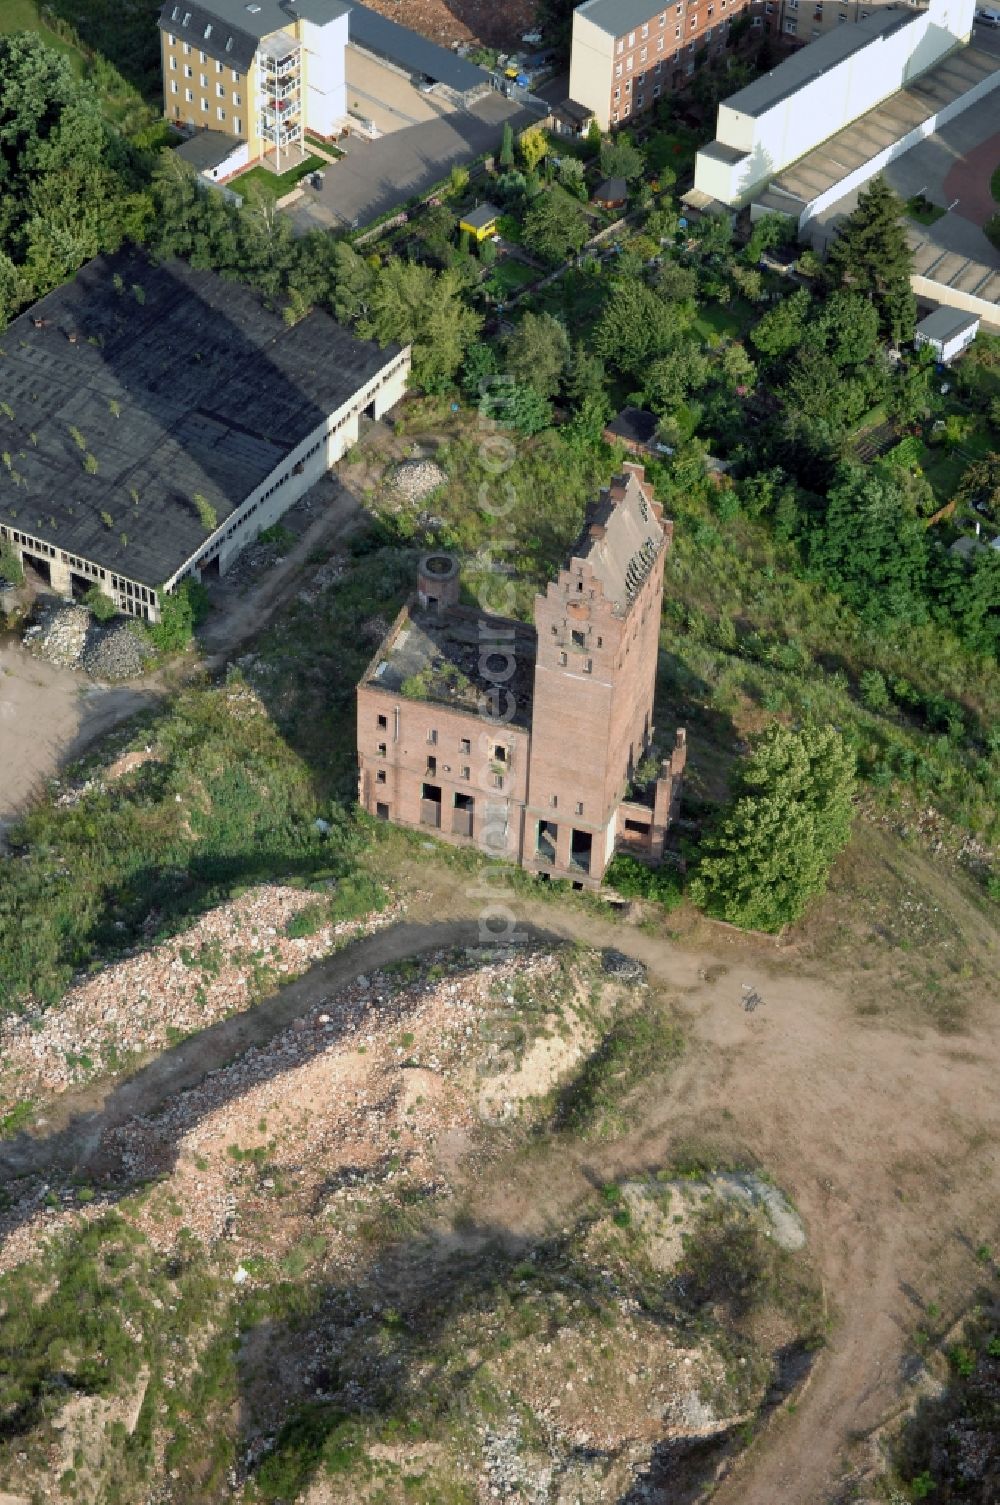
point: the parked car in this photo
(987, 17)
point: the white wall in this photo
(774, 139)
(881, 160)
(326, 90)
(237, 158)
(591, 68)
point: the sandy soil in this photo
(882, 1130)
(47, 717)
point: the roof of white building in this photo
(945, 323)
(810, 63)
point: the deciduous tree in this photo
(772, 849)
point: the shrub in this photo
(180, 614)
(357, 894)
(101, 606)
(306, 921)
(634, 880)
(10, 565)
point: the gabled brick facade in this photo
(525, 743)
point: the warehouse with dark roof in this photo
(155, 419)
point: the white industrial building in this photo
(775, 121)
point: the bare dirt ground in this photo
(881, 1128)
(495, 24)
(48, 716)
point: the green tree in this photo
(621, 158)
(572, 177)
(415, 305)
(767, 234)
(533, 144)
(847, 325)
(637, 326)
(538, 352)
(586, 378)
(672, 376)
(517, 406)
(771, 850)
(870, 548)
(783, 327)
(677, 283)
(507, 146)
(479, 365)
(979, 486)
(555, 226)
(871, 256)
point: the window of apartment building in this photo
(497, 781)
(432, 737)
(173, 87)
(618, 95)
(380, 776)
(656, 92)
(432, 763)
(189, 96)
(173, 64)
(631, 39)
(628, 87)
(186, 49)
(658, 70)
(689, 69)
(792, 4)
(188, 71)
(626, 108)
(621, 45)
(204, 105)
(238, 126)
(618, 70)
(562, 660)
(235, 76)
(628, 65)
(220, 91)
(643, 54)
(694, 22)
(383, 723)
(465, 745)
(791, 25)
(208, 31)
(203, 80)
(663, 18)
(579, 807)
(553, 802)
(615, 117)
(237, 99)
(708, 36)
(639, 102)
(202, 58)
(170, 37)
(382, 750)
(466, 771)
(645, 29)
(220, 113)
(677, 31)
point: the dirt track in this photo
(883, 1136)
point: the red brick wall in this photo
(659, 60)
(407, 749)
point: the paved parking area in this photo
(376, 176)
(385, 96)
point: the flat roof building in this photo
(158, 418)
(526, 740)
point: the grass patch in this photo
(269, 185)
(729, 320)
(923, 211)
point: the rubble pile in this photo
(416, 479)
(151, 1000)
(68, 635)
(59, 633)
(119, 652)
(354, 1097)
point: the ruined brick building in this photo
(527, 742)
